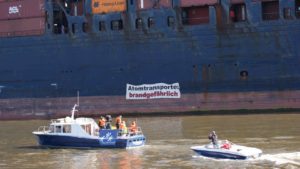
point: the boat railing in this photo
(54, 121)
(225, 142)
(130, 133)
(44, 129)
(137, 132)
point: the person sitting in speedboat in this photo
(214, 139)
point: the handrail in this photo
(131, 133)
(138, 132)
(43, 129)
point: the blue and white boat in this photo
(227, 150)
(85, 133)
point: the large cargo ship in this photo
(147, 56)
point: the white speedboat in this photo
(84, 132)
(227, 150)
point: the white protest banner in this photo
(152, 91)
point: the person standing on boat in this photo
(118, 121)
(108, 121)
(214, 138)
(133, 127)
(102, 122)
(123, 128)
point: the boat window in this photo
(297, 8)
(57, 129)
(102, 26)
(86, 128)
(83, 127)
(139, 23)
(237, 12)
(151, 22)
(67, 129)
(171, 21)
(116, 25)
(270, 10)
(51, 128)
(195, 15)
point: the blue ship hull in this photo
(78, 142)
(211, 62)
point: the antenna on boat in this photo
(78, 97)
(74, 110)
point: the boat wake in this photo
(281, 160)
(292, 158)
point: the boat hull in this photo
(45, 108)
(47, 140)
(220, 155)
(235, 152)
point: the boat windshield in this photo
(51, 128)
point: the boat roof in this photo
(69, 120)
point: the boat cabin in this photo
(79, 126)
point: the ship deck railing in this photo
(130, 133)
(43, 129)
(53, 121)
(138, 132)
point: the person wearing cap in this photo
(214, 138)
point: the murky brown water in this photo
(168, 144)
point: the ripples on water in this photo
(168, 144)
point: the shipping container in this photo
(22, 27)
(189, 3)
(165, 3)
(150, 4)
(108, 6)
(270, 10)
(21, 9)
(197, 15)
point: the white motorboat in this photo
(85, 132)
(227, 150)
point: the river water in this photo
(168, 144)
